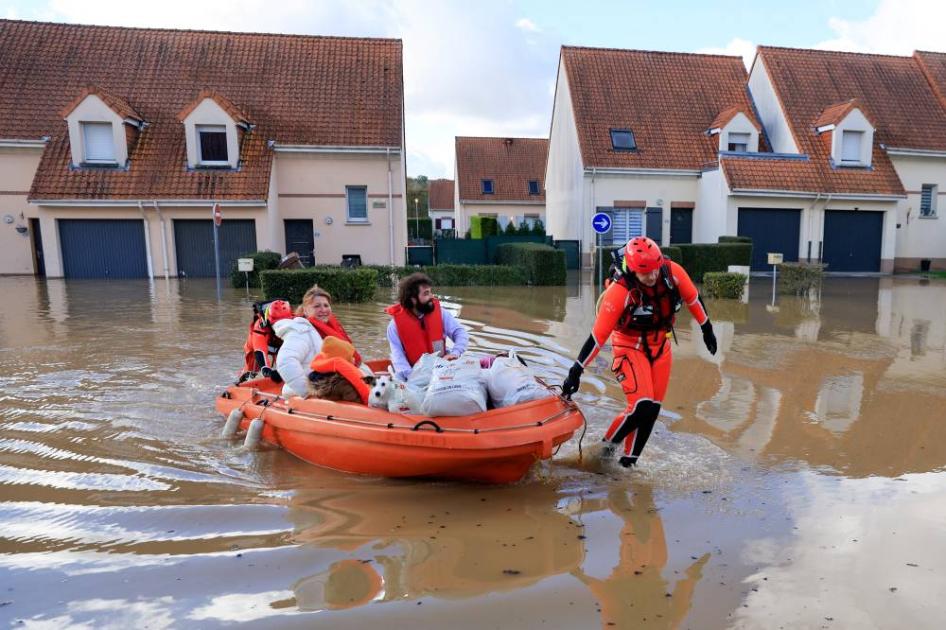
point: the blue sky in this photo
(488, 68)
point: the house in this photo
(631, 135)
(500, 178)
(440, 204)
(111, 167)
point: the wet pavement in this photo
(796, 479)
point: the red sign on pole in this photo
(218, 216)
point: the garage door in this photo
(194, 245)
(98, 248)
(771, 230)
(852, 240)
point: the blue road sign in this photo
(601, 223)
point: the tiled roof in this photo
(116, 104)
(328, 91)
(440, 193)
(668, 100)
(833, 114)
(728, 114)
(234, 112)
(933, 66)
(813, 85)
(510, 162)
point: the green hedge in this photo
(543, 264)
(420, 228)
(735, 239)
(345, 285)
(475, 275)
(797, 277)
(673, 253)
(721, 284)
(481, 227)
(700, 258)
(261, 262)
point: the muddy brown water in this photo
(796, 479)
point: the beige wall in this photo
(17, 166)
(514, 211)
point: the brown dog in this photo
(335, 387)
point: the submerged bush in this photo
(261, 262)
(725, 285)
(797, 277)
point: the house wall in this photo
(17, 167)
(312, 186)
(710, 219)
(565, 201)
(769, 109)
(920, 237)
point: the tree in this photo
(511, 229)
(538, 227)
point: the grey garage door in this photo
(852, 240)
(771, 230)
(99, 248)
(194, 245)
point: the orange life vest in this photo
(333, 328)
(418, 335)
(328, 365)
(650, 309)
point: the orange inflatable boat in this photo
(496, 446)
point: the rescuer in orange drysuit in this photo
(637, 312)
(261, 343)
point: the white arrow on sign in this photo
(602, 223)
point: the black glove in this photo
(573, 381)
(709, 337)
(270, 373)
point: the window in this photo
(533, 187)
(623, 140)
(851, 147)
(357, 203)
(212, 144)
(738, 142)
(487, 186)
(928, 200)
(98, 142)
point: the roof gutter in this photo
(914, 152)
(13, 143)
(133, 203)
(742, 192)
(310, 148)
(644, 172)
(500, 202)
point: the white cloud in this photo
(896, 27)
(737, 47)
(528, 25)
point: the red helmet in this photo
(642, 255)
(277, 310)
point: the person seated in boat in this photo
(262, 344)
(301, 342)
(420, 326)
(334, 375)
(317, 308)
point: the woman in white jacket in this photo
(300, 344)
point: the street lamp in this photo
(416, 220)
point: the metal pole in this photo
(774, 268)
(217, 257)
(597, 264)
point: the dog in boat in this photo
(336, 387)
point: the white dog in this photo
(393, 395)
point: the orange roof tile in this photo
(667, 99)
(440, 194)
(510, 162)
(116, 104)
(833, 114)
(728, 114)
(307, 90)
(933, 66)
(232, 110)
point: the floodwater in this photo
(796, 479)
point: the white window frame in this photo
(213, 129)
(731, 140)
(934, 191)
(853, 133)
(348, 217)
(86, 126)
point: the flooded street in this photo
(795, 479)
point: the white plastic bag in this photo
(510, 382)
(457, 388)
(421, 373)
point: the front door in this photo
(300, 239)
(681, 225)
(655, 224)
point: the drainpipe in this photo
(144, 219)
(581, 228)
(387, 152)
(164, 239)
(811, 222)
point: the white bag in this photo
(510, 382)
(457, 388)
(421, 373)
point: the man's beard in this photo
(426, 308)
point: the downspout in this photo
(581, 228)
(827, 200)
(811, 219)
(387, 152)
(144, 219)
(164, 239)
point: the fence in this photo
(477, 251)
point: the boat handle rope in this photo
(430, 422)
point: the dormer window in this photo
(851, 146)
(623, 140)
(847, 132)
(487, 186)
(738, 142)
(533, 187)
(98, 143)
(212, 145)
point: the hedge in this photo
(722, 284)
(698, 259)
(261, 262)
(543, 264)
(481, 227)
(475, 275)
(345, 285)
(420, 228)
(735, 239)
(797, 277)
